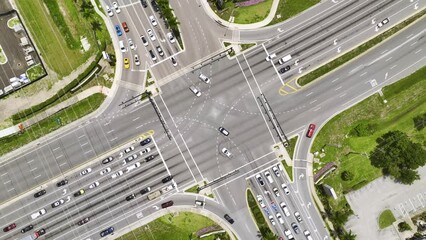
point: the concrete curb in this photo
(236, 26)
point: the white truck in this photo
(284, 59)
(32, 236)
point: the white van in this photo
(122, 47)
(284, 59)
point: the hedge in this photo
(34, 109)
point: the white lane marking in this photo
(417, 51)
(313, 101)
(363, 74)
(84, 144)
(135, 119)
(316, 109)
(393, 67)
(60, 165)
(32, 160)
(337, 89)
(4, 174)
(11, 189)
(55, 149)
(33, 169)
(414, 43)
(87, 152)
(342, 95)
(110, 131)
(37, 176)
(388, 59)
(7, 182)
(335, 80)
(82, 136)
(59, 156)
(309, 94)
(113, 139)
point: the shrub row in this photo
(34, 109)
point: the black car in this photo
(41, 232)
(130, 197)
(107, 160)
(260, 180)
(83, 221)
(295, 228)
(107, 231)
(167, 179)
(27, 228)
(160, 51)
(167, 204)
(145, 190)
(144, 4)
(80, 192)
(145, 141)
(39, 194)
(284, 69)
(62, 183)
(149, 158)
(155, 5)
(229, 219)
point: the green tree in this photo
(398, 156)
(348, 236)
(403, 226)
(347, 176)
(420, 121)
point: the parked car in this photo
(285, 188)
(39, 213)
(144, 4)
(9, 227)
(107, 231)
(295, 228)
(107, 160)
(145, 190)
(39, 193)
(93, 185)
(130, 197)
(149, 158)
(204, 78)
(145, 42)
(284, 69)
(109, 11)
(297, 216)
(26, 229)
(62, 183)
(117, 174)
(171, 37)
(260, 180)
(145, 141)
(79, 193)
(125, 27)
(116, 7)
(118, 30)
(58, 203)
(83, 221)
(167, 179)
(106, 170)
(85, 171)
(129, 149)
(153, 21)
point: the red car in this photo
(124, 24)
(311, 130)
(167, 204)
(10, 227)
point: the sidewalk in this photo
(50, 111)
(236, 26)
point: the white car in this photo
(136, 165)
(57, 203)
(226, 152)
(276, 192)
(86, 171)
(117, 174)
(93, 185)
(151, 34)
(131, 44)
(106, 170)
(272, 220)
(268, 176)
(137, 61)
(270, 57)
(382, 23)
(260, 200)
(285, 188)
(280, 218)
(307, 235)
(38, 214)
(129, 149)
(146, 150)
(297, 216)
(288, 234)
(171, 37)
(204, 78)
(153, 21)
(116, 7)
(109, 11)
(285, 209)
(275, 170)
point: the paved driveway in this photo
(368, 202)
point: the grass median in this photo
(243, 15)
(321, 71)
(289, 8)
(261, 223)
(183, 225)
(386, 219)
(52, 123)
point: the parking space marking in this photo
(82, 136)
(11, 189)
(55, 149)
(59, 156)
(32, 160)
(7, 182)
(33, 169)
(4, 174)
(135, 119)
(60, 165)
(113, 139)
(110, 131)
(37, 176)
(87, 152)
(84, 144)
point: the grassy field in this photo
(50, 124)
(243, 15)
(179, 226)
(288, 169)
(193, 189)
(289, 8)
(35, 72)
(386, 219)
(406, 99)
(59, 41)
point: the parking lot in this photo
(368, 202)
(19, 54)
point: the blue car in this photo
(118, 30)
(107, 231)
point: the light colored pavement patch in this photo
(383, 193)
